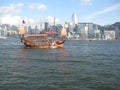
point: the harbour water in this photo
(79, 65)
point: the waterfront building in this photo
(80, 29)
(3, 31)
(97, 33)
(85, 33)
(30, 30)
(11, 33)
(46, 26)
(109, 34)
(69, 35)
(91, 32)
(117, 33)
(70, 31)
(58, 28)
(85, 30)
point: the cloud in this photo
(85, 2)
(20, 4)
(29, 21)
(36, 21)
(12, 8)
(12, 20)
(50, 19)
(7, 14)
(106, 10)
(33, 21)
(38, 6)
(17, 5)
(17, 20)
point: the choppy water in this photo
(79, 65)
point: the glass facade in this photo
(86, 34)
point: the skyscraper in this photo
(74, 19)
(86, 32)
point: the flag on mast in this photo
(23, 22)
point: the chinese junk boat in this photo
(42, 40)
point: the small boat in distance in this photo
(92, 39)
(41, 40)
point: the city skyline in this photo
(33, 12)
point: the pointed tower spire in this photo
(74, 19)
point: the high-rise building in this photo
(47, 27)
(85, 30)
(74, 19)
(109, 35)
(97, 33)
(117, 33)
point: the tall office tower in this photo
(97, 33)
(86, 32)
(74, 19)
(46, 26)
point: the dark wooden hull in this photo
(37, 42)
